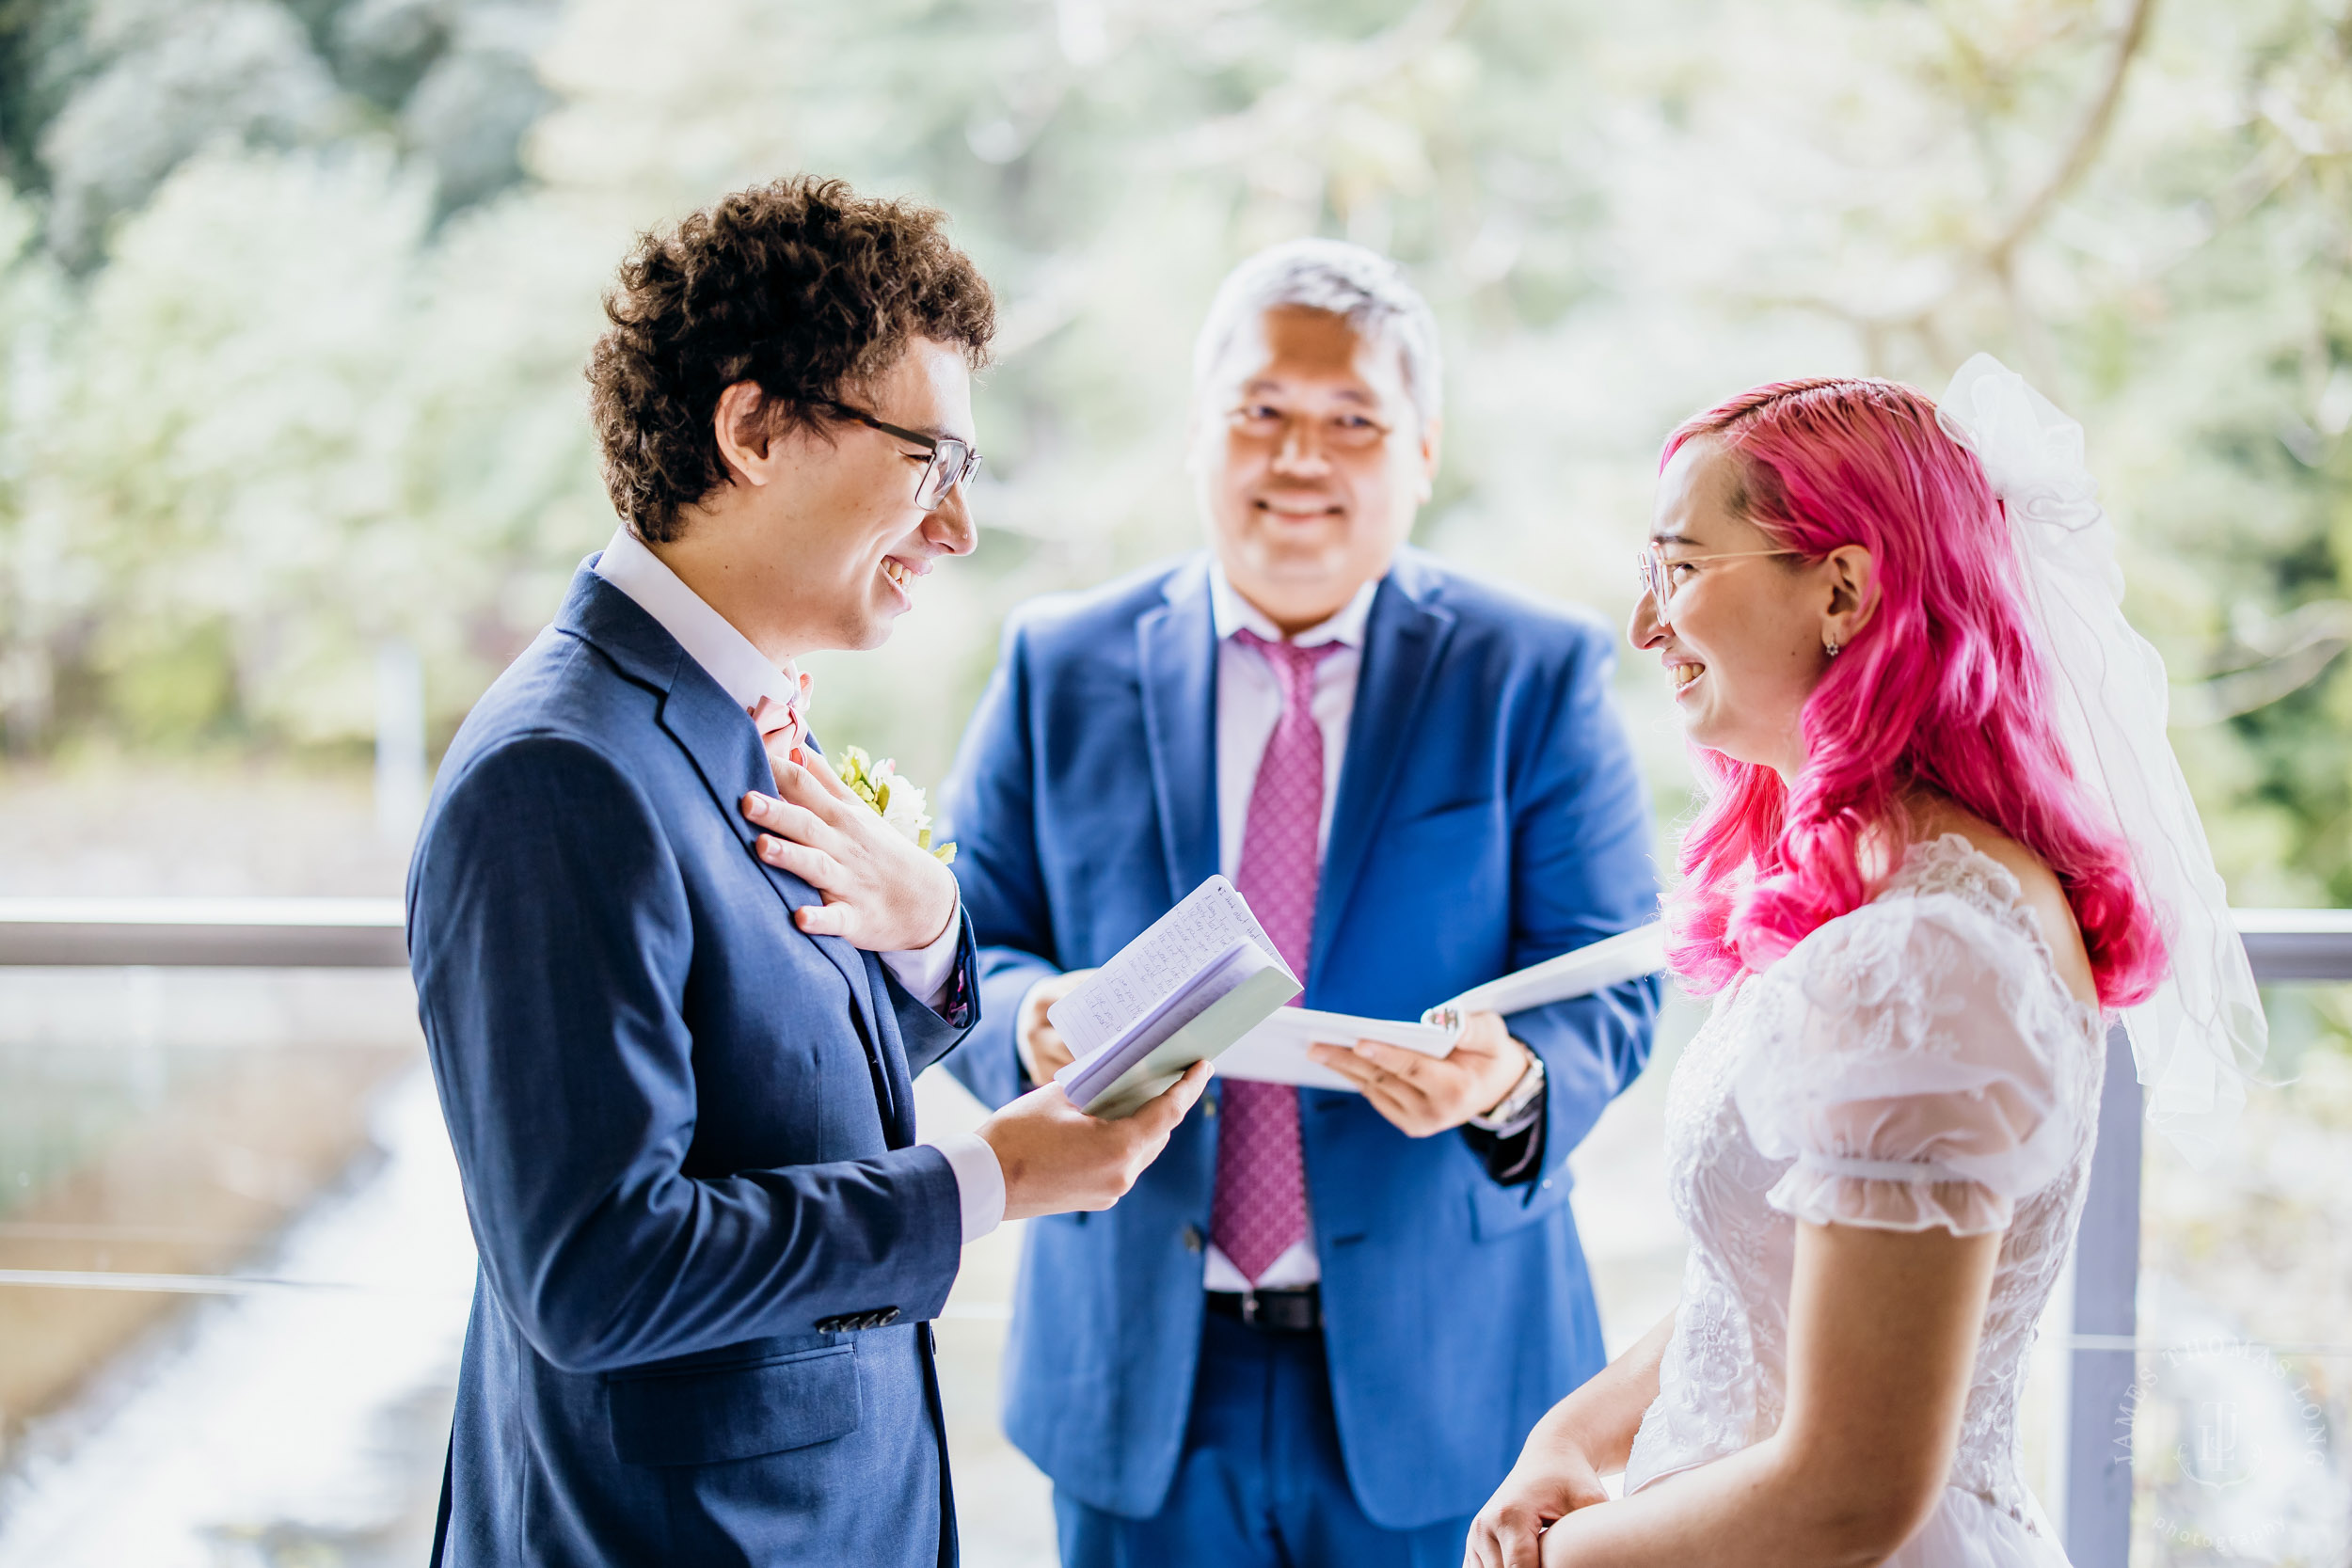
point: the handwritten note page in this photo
(1175, 947)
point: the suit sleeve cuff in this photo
(927, 973)
(979, 1181)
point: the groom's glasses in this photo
(953, 461)
(1658, 573)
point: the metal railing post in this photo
(2106, 1281)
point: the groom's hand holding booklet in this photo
(1204, 983)
(1195, 982)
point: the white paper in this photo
(1169, 952)
(1276, 1050)
(1595, 966)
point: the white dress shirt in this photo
(1248, 706)
(746, 676)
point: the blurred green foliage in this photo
(295, 294)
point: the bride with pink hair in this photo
(1945, 843)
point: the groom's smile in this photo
(820, 536)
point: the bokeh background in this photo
(294, 298)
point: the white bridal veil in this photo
(2203, 1034)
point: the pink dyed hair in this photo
(1943, 687)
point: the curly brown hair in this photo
(802, 286)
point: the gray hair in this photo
(1363, 286)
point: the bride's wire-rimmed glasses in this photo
(953, 460)
(1657, 572)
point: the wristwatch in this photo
(1513, 1111)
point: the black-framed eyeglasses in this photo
(953, 460)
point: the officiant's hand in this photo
(1043, 1052)
(881, 893)
(1057, 1158)
(1428, 1095)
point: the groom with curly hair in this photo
(675, 980)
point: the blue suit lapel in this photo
(1176, 652)
(895, 1086)
(720, 739)
(1404, 638)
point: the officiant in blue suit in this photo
(675, 980)
(1320, 1326)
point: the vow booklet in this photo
(1276, 1050)
(1201, 977)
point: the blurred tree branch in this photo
(1993, 261)
(2082, 152)
(1301, 102)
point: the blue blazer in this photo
(1488, 816)
(687, 1137)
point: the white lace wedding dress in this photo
(1915, 1063)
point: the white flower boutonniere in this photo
(900, 804)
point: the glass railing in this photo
(234, 1263)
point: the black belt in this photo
(1298, 1311)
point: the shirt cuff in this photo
(928, 972)
(979, 1181)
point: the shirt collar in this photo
(726, 654)
(1233, 614)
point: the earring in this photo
(1831, 649)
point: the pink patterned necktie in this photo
(1261, 1207)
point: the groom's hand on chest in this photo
(881, 892)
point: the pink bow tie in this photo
(780, 728)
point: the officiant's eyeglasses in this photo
(953, 462)
(1346, 432)
(1656, 571)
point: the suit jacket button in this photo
(1192, 1238)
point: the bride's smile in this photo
(1742, 626)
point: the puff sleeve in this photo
(1909, 1068)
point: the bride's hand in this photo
(1551, 1480)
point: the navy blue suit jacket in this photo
(687, 1136)
(1488, 816)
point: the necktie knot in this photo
(1293, 666)
(782, 725)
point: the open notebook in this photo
(1200, 978)
(1205, 982)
